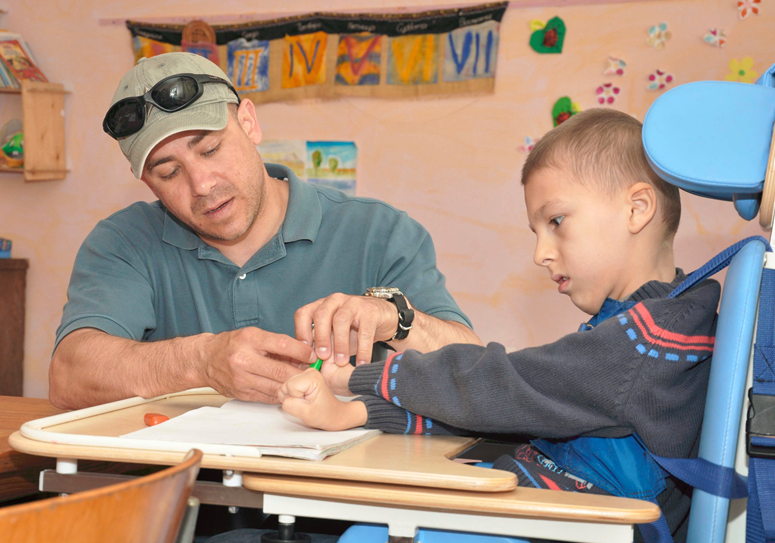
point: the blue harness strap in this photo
(760, 520)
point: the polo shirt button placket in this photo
(245, 299)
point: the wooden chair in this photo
(144, 510)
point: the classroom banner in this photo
(324, 55)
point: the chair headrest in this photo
(712, 138)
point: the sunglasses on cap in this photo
(173, 93)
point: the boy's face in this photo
(581, 237)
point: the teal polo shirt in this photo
(141, 274)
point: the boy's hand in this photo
(308, 397)
(337, 377)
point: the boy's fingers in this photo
(296, 407)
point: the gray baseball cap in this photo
(209, 112)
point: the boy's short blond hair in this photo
(603, 147)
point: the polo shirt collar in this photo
(178, 234)
(302, 218)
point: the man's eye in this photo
(557, 220)
(170, 175)
(212, 151)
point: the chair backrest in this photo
(726, 386)
(144, 510)
(715, 139)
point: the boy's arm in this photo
(604, 382)
(310, 397)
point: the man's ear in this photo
(248, 120)
(641, 200)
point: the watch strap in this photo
(405, 316)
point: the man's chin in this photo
(218, 236)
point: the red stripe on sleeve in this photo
(385, 379)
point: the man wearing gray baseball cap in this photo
(222, 280)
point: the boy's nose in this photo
(543, 255)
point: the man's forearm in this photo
(429, 334)
(91, 367)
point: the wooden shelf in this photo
(43, 114)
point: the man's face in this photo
(211, 181)
(581, 238)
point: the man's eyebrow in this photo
(158, 162)
(196, 139)
(191, 144)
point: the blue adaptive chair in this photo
(714, 139)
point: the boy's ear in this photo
(641, 199)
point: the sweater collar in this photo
(652, 289)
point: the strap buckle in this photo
(760, 423)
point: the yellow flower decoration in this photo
(741, 71)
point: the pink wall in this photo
(452, 163)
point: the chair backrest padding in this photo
(711, 137)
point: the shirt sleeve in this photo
(110, 288)
(622, 377)
(409, 263)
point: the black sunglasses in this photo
(127, 116)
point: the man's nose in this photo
(202, 182)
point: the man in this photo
(204, 286)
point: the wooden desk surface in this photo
(391, 459)
(18, 471)
(520, 502)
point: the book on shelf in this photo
(16, 61)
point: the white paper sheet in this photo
(267, 427)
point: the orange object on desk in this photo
(152, 419)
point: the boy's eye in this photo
(556, 220)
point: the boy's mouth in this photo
(563, 281)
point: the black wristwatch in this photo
(405, 314)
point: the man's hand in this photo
(338, 315)
(250, 364)
(308, 397)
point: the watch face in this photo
(382, 292)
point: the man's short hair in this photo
(603, 148)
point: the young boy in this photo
(633, 378)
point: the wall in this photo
(452, 163)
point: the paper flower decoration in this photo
(716, 37)
(529, 144)
(659, 80)
(658, 36)
(564, 109)
(615, 66)
(741, 71)
(607, 93)
(746, 7)
(547, 37)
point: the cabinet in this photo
(13, 282)
(43, 123)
